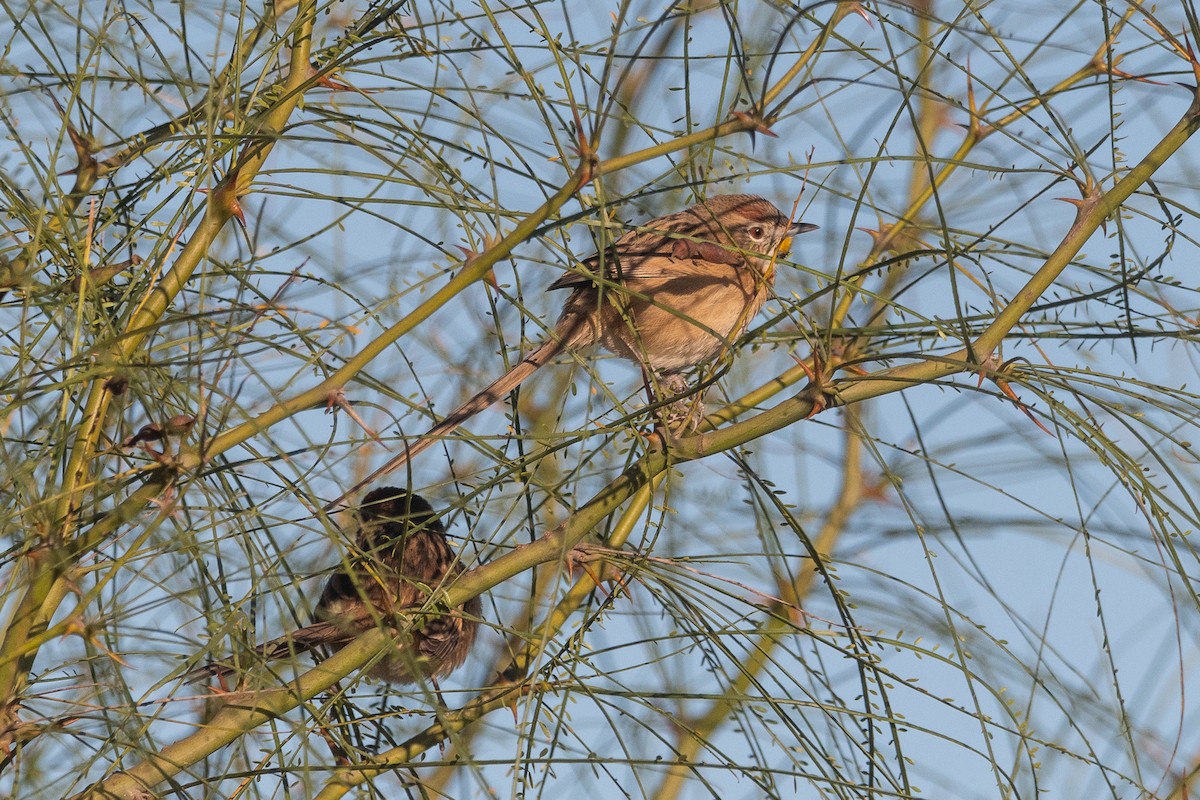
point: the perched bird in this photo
(669, 295)
(401, 555)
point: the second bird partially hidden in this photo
(401, 555)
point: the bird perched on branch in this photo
(400, 556)
(669, 294)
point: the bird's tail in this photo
(572, 331)
(310, 637)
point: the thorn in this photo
(1191, 57)
(817, 390)
(1131, 77)
(977, 128)
(76, 626)
(1011, 395)
(595, 579)
(235, 208)
(844, 10)
(84, 148)
(585, 150)
(575, 558)
(326, 80)
(753, 124)
(1101, 67)
(997, 375)
(803, 364)
(490, 240)
(337, 399)
(983, 372)
(1184, 50)
(1090, 195)
(583, 555)
(225, 194)
(897, 240)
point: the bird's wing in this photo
(647, 253)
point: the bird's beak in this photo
(797, 228)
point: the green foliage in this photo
(869, 573)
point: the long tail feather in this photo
(310, 637)
(570, 332)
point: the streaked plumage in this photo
(401, 554)
(675, 293)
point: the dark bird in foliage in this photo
(401, 555)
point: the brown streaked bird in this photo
(401, 555)
(675, 293)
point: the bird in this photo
(668, 295)
(400, 556)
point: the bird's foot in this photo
(685, 413)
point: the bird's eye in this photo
(757, 232)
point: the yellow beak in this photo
(785, 246)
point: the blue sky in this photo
(999, 572)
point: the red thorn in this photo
(753, 123)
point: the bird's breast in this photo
(674, 322)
